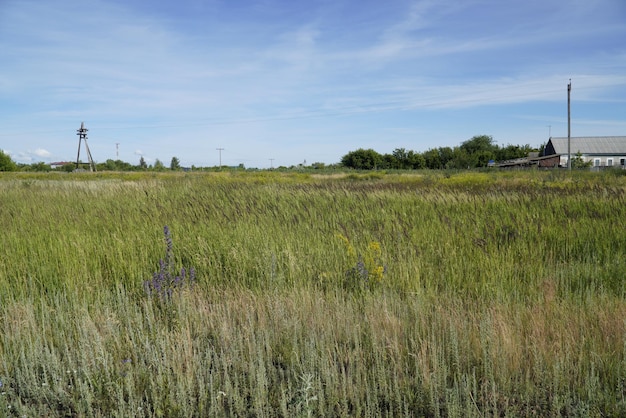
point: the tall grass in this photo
(453, 294)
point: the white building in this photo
(601, 151)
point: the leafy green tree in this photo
(158, 165)
(142, 163)
(461, 160)
(40, 166)
(6, 163)
(388, 161)
(446, 154)
(416, 160)
(175, 164)
(475, 152)
(432, 159)
(511, 152)
(479, 143)
(482, 158)
(401, 157)
(108, 165)
(115, 165)
(362, 159)
(578, 162)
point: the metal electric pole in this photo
(569, 127)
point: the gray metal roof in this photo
(610, 145)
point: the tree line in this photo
(475, 152)
(7, 164)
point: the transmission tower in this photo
(82, 136)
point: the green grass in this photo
(487, 294)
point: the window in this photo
(596, 162)
(622, 161)
(609, 162)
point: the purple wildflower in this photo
(165, 281)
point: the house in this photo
(58, 164)
(601, 151)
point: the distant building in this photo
(59, 164)
(523, 162)
(601, 151)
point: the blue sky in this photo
(276, 82)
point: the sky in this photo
(268, 83)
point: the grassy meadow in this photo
(368, 294)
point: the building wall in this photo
(599, 160)
(605, 160)
(549, 162)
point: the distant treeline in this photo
(475, 152)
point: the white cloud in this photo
(40, 152)
(162, 89)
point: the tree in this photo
(174, 164)
(115, 165)
(362, 159)
(482, 158)
(158, 165)
(446, 154)
(6, 163)
(401, 158)
(388, 161)
(432, 159)
(478, 143)
(578, 162)
(416, 160)
(142, 163)
(461, 160)
(40, 166)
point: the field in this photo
(268, 294)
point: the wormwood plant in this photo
(165, 282)
(305, 398)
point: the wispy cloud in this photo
(40, 152)
(219, 72)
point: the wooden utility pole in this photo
(82, 136)
(569, 127)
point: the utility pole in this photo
(271, 163)
(569, 127)
(220, 151)
(117, 150)
(82, 137)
